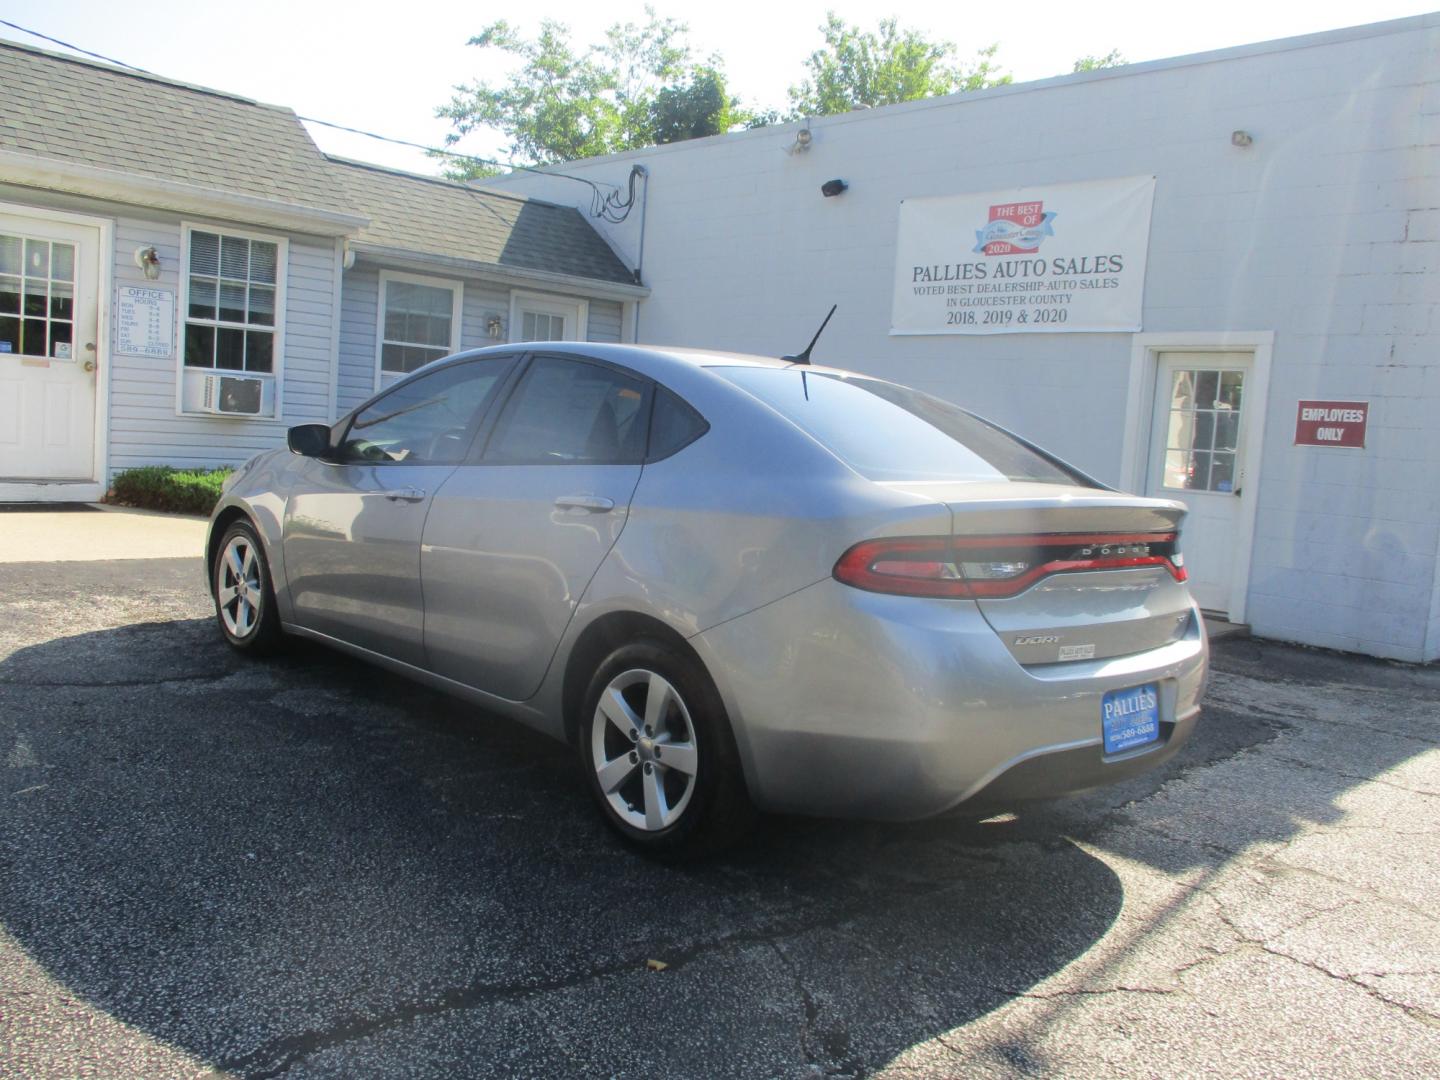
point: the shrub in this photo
(163, 487)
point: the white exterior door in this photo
(1197, 455)
(536, 317)
(48, 315)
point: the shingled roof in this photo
(441, 217)
(58, 108)
(78, 111)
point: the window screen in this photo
(568, 411)
(428, 420)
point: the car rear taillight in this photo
(991, 567)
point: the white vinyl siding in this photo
(144, 426)
(605, 321)
(481, 302)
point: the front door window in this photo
(37, 297)
(1203, 429)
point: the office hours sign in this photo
(1060, 258)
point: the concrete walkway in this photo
(107, 533)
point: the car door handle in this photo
(599, 504)
(405, 495)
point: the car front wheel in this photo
(244, 596)
(657, 749)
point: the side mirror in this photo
(309, 440)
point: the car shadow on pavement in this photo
(311, 866)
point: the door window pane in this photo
(428, 420)
(37, 259)
(62, 262)
(568, 412)
(1203, 429)
(538, 326)
(37, 284)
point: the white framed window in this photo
(417, 320)
(540, 317)
(232, 304)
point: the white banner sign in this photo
(1055, 259)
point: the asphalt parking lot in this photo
(307, 868)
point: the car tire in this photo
(240, 585)
(645, 701)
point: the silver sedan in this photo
(732, 583)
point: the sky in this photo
(384, 67)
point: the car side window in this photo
(571, 412)
(674, 425)
(429, 420)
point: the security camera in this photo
(831, 188)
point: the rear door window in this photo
(888, 432)
(569, 411)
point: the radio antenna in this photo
(804, 357)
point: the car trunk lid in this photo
(1067, 574)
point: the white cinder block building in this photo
(1268, 350)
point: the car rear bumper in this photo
(854, 704)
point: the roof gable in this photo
(72, 110)
(441, 217)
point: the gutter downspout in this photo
(336, 300)
(640, 258)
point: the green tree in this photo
(697, 107)
(639, 87)
(1095, 63)
(882, 67)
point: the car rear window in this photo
(889, 432)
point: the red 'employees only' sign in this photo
(1332, 423)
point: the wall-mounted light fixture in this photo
(1240, 138)
(803, 139)
(494, 326)
(148, 259)
(831, 188)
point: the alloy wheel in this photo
(642, 746)
(239, 591)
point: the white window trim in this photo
(569, 307)
(182, 318)
(457, 308)
(1145, 350)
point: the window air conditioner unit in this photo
(233, 395)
